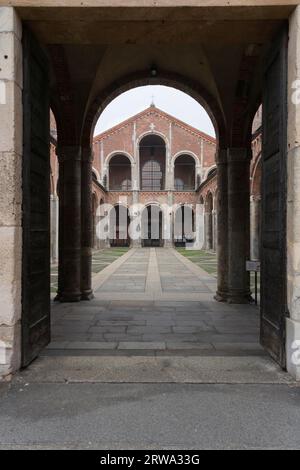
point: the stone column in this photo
(215, 230)
(208, 230)
(222, 236)
(168, 222)
(136, 243)
(54, 227)
(255, 227)
(11, 148)
(69, 289)
(238, 225)
(86, 224)
(293, 199)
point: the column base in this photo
(293, 347)
(221, 296)
(241, 298)
(68, 297)
(88, 295)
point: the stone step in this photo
(149, 369)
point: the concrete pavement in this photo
(149, 416)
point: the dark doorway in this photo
(152, 221)
(118, 226)
(184, 226)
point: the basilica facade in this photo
(158, 175)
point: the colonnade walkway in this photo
(154, 301)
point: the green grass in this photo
(204, 259)
(207, 260)
(101, 259)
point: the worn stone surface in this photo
(10, 189)
(161, 369)
(159, 313)
(293, 197)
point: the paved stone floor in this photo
(158, 301)
(100, 260)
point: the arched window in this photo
(120, 173)
(184, 173)
(152, 163)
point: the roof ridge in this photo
(164, 113)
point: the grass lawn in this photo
(204, 259)
(207, 260)
(101, 259)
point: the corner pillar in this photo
(238, 225)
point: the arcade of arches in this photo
(76, 61)
(173, 164)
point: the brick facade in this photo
(119, 155)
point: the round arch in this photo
(174, 80)
(96, 173)
(159, 134)
(182, 153)
(209, 171)
(118, 152)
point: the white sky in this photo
(168, 99)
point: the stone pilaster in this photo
(11, 149)
(238, 224)
(70, 224)
(86, 224)
(293, 199)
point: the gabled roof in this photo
(163, 114)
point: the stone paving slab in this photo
(155, 296)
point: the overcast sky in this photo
(168, 99)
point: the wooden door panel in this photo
(36, 202)
(273, 223)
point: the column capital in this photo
(68, 153)
(239, 155)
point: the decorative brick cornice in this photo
(151, 111)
